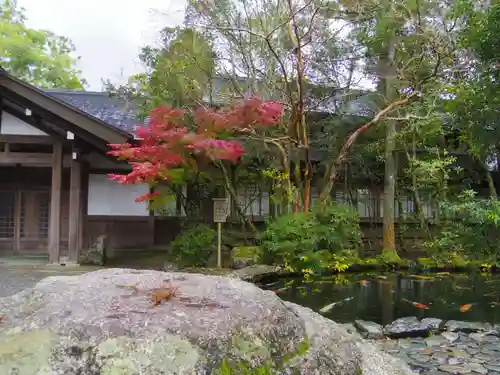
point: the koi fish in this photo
(278, 291)
(417, 304)
(422, 277)
(495, 304)
(327, 308)
(364, 283)
(271, 284)
(465, 308)
(443, 274)
(385, 282)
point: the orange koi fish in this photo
(465, 308)
(278, 291)
(364, 282)
(417, 304)
(385, 282)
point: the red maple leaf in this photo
(165, 142)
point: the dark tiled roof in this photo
(113, 111)
(122, 114)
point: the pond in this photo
(383, 298)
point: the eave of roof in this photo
(107, 132)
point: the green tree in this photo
(476, 97)
(411, 51)
(287, 51)
(38, 57)
(179, 73)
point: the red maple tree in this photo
(165, 142)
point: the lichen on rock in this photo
(27, 353)
(166, 354)
(104, 323)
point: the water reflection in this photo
(384, 298)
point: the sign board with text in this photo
(221, 209)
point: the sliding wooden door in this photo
(32, 235)
(7, 221)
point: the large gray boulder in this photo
(94, 324)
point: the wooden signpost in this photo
(221, 212)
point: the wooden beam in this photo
(152, 221)
(75, 211)
(34, 159)
(1, 109)
(36, 121)
(32, 97)
(54, 119)
(55, 204)
(26, 139)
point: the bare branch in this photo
(325, 193)
(408, 117)
(292, 16)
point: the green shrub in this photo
(194, 246)
(469, 228)
(288, 238)
(269, 367)
(312, 241)
(337, 226)
(444, 260)
(246, 253)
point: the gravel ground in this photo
(14, 279)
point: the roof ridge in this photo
(77, 92)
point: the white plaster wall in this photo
(11, 125)
(110, 198)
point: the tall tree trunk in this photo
(489, 179)
(491, 184)
(389, 189)
(390, 93)
(301, 132)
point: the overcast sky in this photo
(107, 33)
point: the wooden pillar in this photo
(75, 211)
(84, 196)
(17, 221)
(55, 204)
(151, 222)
